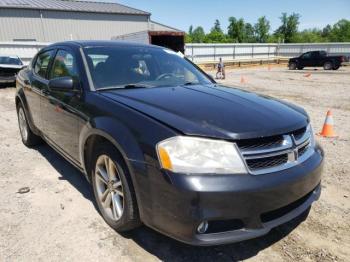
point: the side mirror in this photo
(62, 84)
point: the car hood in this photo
(213, 110)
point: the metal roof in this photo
(71, 5)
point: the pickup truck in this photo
(316, 59)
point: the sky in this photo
(183, 13)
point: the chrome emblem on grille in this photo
(293, 155)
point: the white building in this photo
(59, 20)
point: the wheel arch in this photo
(20, 99)
(109, 130)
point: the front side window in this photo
(42, 63)
(306, 56)
(119, 67)
(64, 65)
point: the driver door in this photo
(59, 108)
(306, 59)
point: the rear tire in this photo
(328, 66)
(28, 137)
(292, 66)
(113, 189)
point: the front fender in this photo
(20, 96)
(114, 132)
(123, 140)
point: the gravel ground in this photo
(57, 220)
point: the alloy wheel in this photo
(109, 187)
(23, 126)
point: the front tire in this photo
(292, 66)
(28, 137)
(328, 66)
(113, 189)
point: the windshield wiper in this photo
(128, 86)
(190, 84)
(131, 86)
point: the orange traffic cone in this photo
(327, 130)
(307, 75)
(243, 81)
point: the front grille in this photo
(275, 153)
(298, 134)
(303, 149)
(260, 142)
(267, 162)
(8, 72)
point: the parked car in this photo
(316, 59)
(165, 145)
(9, 67)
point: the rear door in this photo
(37, 83)
(59, 108)
(315, 58)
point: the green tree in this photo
(340, 31)
(198, 35)
(217, 26)
(216, 34)
(190, 30)
(289, 28)
(309, 36)
(262, 28)
(188, 38)
(249, 33)
(326, 32)
(236, 30)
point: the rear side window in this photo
(64, 65)
(42, 63)
(323, 53)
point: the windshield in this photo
(9, 60)
(127, 67)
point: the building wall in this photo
(53, 26)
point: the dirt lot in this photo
(57, 220)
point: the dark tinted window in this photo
(64, 65)
(42, 63)
(10, 60)
(144, 66)
(306, 56)
(323, 53)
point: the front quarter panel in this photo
(133, 134)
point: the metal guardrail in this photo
(208, 53)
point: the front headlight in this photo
(199, 155)
(312, 136)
